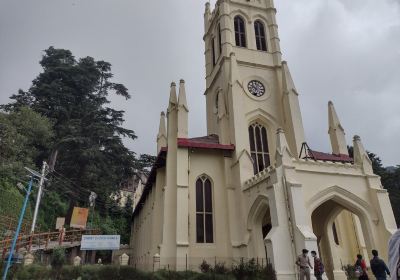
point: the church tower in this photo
(244, 68)
(247, 190)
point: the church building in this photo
(252, 187)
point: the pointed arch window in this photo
(259, 147)
(204, 211)
(260, 36)
(240, 32)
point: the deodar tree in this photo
(87, 147)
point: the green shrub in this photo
(350, 271)
(58, 258)
(130, 273)
(212, 276)
(164, 274)
(220, 268)
(243, 271)
(107, 272)
(268, 272)
(70, 272)
(90, 272)
(252, 270)
(32, 272)
(11, 201)
(246, 270)
(205, 267)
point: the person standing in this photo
(303, 262)
(378, 266)
(361, 268)
(319, 268)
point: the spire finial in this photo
(182, 111)
(361, 156)
(182, 101)
(283, 155)
(162, 133)
(334, 122)
(336, 132)
(162, 130)
(287, 80)
(172, 95)
(208, 9)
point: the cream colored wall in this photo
(147, 226)
(251, 64)
(354, 190)
(348, 247)
(291, 188)
(211, 164)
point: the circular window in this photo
(256, 88)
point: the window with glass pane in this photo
(240, 32)
(204, 215)
(260, 36)
(259, 147)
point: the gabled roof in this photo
(307, 153)
(205, 142)
(329, 157)
(160, 162)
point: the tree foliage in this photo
(73, 95)
(25, 138)
(65, 117)
(390, 178)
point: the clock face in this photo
(256, 88)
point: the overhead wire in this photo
(78, 192)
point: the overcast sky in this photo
(347, 51)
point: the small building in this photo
(132, 189)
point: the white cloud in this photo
(347, 51)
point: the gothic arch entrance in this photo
(342, 232)
(260, 225)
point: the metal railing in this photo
(9, 224)
(46, 240)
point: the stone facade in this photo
(252, 188)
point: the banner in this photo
(100, 242)
(60, 222)
(79, 217)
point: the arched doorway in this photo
(342, 233)
(260, 224)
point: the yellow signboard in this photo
(79, 217)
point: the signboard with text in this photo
(100, 242)
(79, 217)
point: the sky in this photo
(347, 51)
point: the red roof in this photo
(205, 142)
(160, 162)
(329, 157)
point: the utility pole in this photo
(21, 217)
(39, 196)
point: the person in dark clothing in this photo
(361, 268)
(319, 268)
(378, 267)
